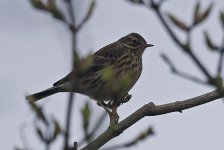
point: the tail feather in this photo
(40, 95)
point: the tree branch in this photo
(23, 136)
(95, 128)
(71, 96)
(142, 136)
(180, 73)
(151, 110)
(220, 65)
(221, 58)
(185, 48)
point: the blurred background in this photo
(35, 52)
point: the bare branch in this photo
(220, 64)
(152, 110)
(71, 96)
(221, 59)
(23, 137)
(88, 15)
(184, 47)
(142, 136)
(90, 135)
(180, 73)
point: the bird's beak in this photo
(149, 45)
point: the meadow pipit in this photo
(113, 71)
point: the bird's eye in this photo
(134, 41)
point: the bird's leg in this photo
(109, 105)
(112, 103)
(102, 104)
(114, 117)
(114, 114)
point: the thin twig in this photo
(188, 41)
(74, 29)
(23, 136)
(221, 59)
(47, 140)
(185, 48)
(71, 96)
(189, 77)
(180, 73)
(47, 145)
(79, 26)
(98, 124)
(95, 128)
(143, 135)
(151, 110)
(220, 64)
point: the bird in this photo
(111, 74)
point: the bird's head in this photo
(134, 42)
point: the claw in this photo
(102, 104)
(114, 117)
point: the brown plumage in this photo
(114, 70)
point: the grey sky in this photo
(35, 52)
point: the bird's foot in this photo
(114, 117)
(117, 103)
(102, 104)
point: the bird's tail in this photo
(38, 96)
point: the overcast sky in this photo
(35, 51)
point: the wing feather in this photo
(105, 56)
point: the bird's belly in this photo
(111, 83)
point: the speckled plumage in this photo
(122, 60)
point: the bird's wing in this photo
(63, 80)
(105, 56)
(109, 52)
